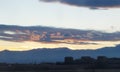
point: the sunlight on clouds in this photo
(9, 32)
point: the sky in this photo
(76, 14)
(27, 45)
(56, 14)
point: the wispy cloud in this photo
(89, 3)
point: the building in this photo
(68, 60)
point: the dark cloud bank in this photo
(21, 33)
(89, 3)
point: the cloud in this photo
(93, 4)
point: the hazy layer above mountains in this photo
(28, 45)
(53, 55)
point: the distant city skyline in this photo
(34, 12)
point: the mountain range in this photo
(54, 55)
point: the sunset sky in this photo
(60, 15)
(21, 46)
(35, 12)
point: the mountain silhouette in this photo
(54, 55)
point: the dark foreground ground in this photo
(81, 70)
(52, 68)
